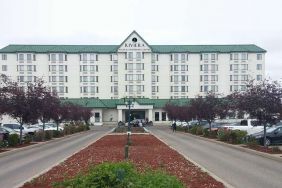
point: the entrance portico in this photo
(138, 111)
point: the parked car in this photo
(250, 125)
(196, 122)
(273, 135)
(11, 131)
(25, 129)
(50, 126)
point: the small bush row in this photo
(118, 175)
(230, 136)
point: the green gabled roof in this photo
(251, 48)
(14, 48)
(112, 103)
(206, 48)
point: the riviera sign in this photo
(130, 45)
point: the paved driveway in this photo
(18, 167)
(237, 168)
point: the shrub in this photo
(223, 134)
(193, 130)
(237, 136)
(213, 134)
(48, 135)
(57, 134)
(3, 144)
(199, 130)
(38, 136)
(252, 142)
(206, 132)
(119, 175)
(13, 140)
(27, 139)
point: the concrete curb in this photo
(238, 147)
(37, 144)
(227, 185)
(49, 168)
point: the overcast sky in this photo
(157, 21)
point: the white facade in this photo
(136, 69)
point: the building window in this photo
(244, 67)
(53, 57)
(244, 56)
(114, 89)
(4, 56)
(236, 56)
(259, 56)
(157, 116)
(114, 68)
(213, 57)
(114, 78)
(92, 57)
(29, 67)
(21, 57)
(97, 116)
(155, 67)
(28, 57)
(243, 88)
(29, 79)
(139, 66)
(130, 56)
(155, 78)
(244, 77)
(214, 88)
(214, 78)
(214, 67)
(4, 68)
(184, 78)
(61, 89)
(184, 67)
(206, 56)
(140, 77)
(175, 57)
(183, 57)
(20, 78)
(138, 56)
(259, 66)
(155, 88)
(61, 57)
(20, 68)
(61, 78)
(259, 77)
(140, 88)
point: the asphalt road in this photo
(20, 166)
(239, 169)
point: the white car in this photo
(25, 129)
(250, 125)
(50, 126)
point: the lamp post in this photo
(128, 103)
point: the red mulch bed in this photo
(263, 149)
(145, 151)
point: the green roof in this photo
(112, 103)
(251, 48)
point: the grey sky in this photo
(157, 21)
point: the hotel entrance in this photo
(135, 114)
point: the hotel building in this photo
(99, 76)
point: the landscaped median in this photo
(13, 140)
(232, 138)
(146, 153)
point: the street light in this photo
(129, 102)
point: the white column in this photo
(150, 115)
(119, 115)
